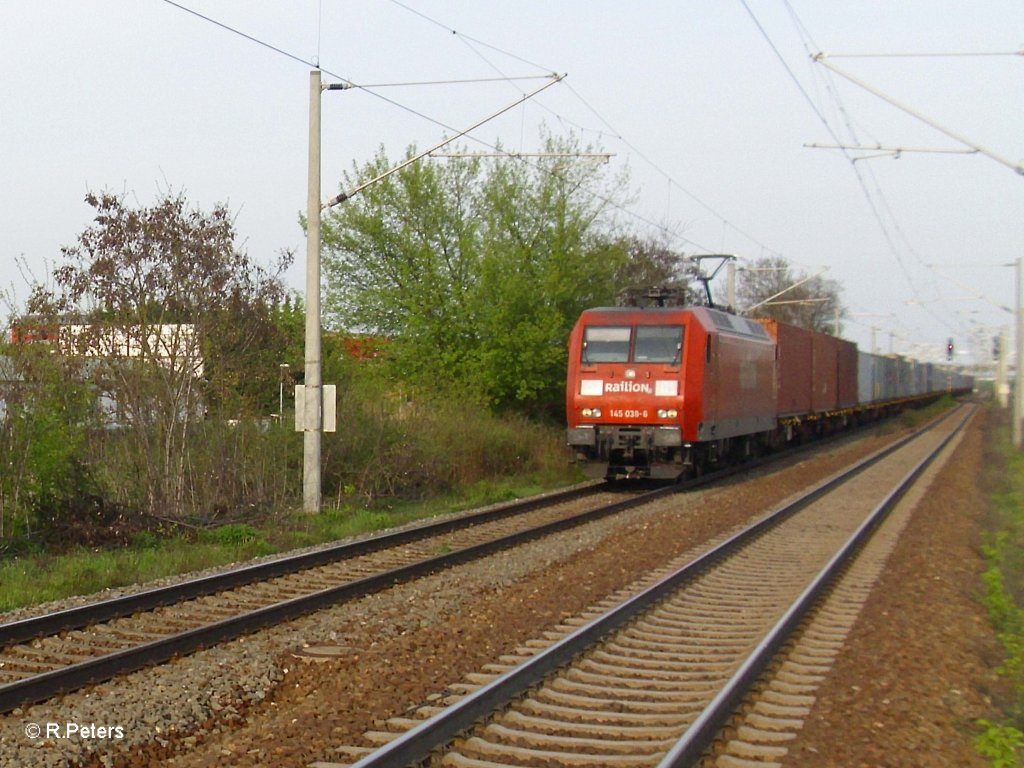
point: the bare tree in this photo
(173, 322)
(654, 271)
(772, 288)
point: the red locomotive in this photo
(662, 392)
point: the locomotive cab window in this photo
(606, 344)
(658, 344)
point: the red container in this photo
(816, 372)
(795, 371)
(825, 376)
(847, 374)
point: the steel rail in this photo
(434, 733)
(690, 748)
(43, 686)
(126, 605)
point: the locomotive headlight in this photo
(591, 413)
(667, 413)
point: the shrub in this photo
(232, 534)
(393, 447)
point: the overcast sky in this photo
(709, 105)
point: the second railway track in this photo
(652, 682)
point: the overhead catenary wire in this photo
(367, 89)
(524, 156)
(823, 59)
(240, 33)
(672, 182)
(943, 319)
(828, 127)
(464, 36)
(882, 203)
(316, 65)
(934, 55)
(612, 131)
(972, 147)
(409, 161)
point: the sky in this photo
(709, 106)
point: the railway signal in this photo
(949, 349)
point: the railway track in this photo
(59, 652)
(652, 680)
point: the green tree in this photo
(476, 271)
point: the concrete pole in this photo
(730, 297)
(1018, 382)
(312, 411)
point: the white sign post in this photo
(329, 408)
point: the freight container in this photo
(847, 373)
(794, 362)
(887, 376)
(825, 377)
(869, 386)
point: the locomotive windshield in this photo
(603, 344)
(650, 344)
(658, 344)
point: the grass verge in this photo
(29, 580)
(1003, 742)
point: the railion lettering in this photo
(633, 387)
